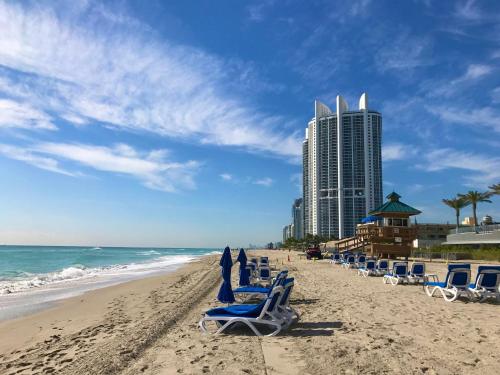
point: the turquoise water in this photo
(26, 267)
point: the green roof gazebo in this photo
(393, 236)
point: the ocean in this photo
(31, 277)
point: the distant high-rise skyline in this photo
(342, 168)
(298, 218)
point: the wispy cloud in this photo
(226, 176)
(483, 169)
(266, 181)
(467, 10)
(22, 115)
(152, 168)
(256, 12)
(28, 156)
(485, 117)
(296, 179)
(129, 80)
(404, 53)
(449, 87)
(495, 95)
(358, 7)
(397, 151)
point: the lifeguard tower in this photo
(387, 232)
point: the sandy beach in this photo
(348, 325)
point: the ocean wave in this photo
(216, 252)
(78, 272)
(149, 252)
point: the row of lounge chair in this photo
(259, 270)
(272, 309)
(457, 282)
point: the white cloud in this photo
(484, 170)
(226, 176)
(27, 156)
(453, 87)
(495, 95)
(397, 151)
(119, 74)
(496, 54)
(22, 115)
(151, 169)
(296, 179)
(475, 71)
(358, 7)
(404, 53)
(468, 11)
(266, 181)
(487, 117)
(256, 12)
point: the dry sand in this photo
(348, 325)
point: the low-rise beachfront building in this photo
(481, 235)
(387, 232)
(429, 235)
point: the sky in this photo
(180, 123)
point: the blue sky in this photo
(180, 123)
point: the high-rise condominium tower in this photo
(298, 219)
(342, 163)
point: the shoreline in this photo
(97, 316)
(38, 291)
(27, 302)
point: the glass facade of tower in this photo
(298, 219)
(345, 181)
(305, 184)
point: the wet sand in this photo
(348, 325)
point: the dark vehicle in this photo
(314, 252)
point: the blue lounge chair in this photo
(253, 267)
(350, 262)
(264, 262)
(417, 272)
(455, 285)
(368, 269)
(336, 258)
(265, 313)
(286, 312)
(487, 283)
(382, 267)
(264, 275)
(261, 291)
(398, 275)
(360, 261)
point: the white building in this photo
(342, 168)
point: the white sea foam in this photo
(77, 273)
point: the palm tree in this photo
(474, 197)
(457, 204)
(495, 189)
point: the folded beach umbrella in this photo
(242, 258)
(370, 219)
(225, 292)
